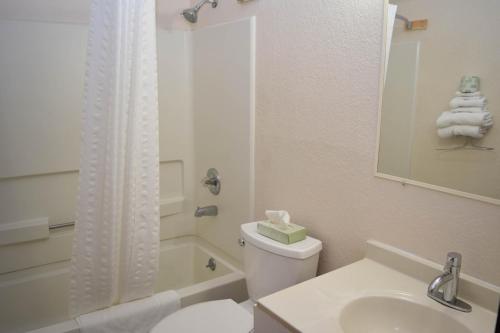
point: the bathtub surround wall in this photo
(35, 184)
(42, 67)
(177, 182)
(317, 94)
(37, 65)
(223, 96)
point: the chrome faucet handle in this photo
(209, 181)
(212, 181)
(448, 282)
(453, 260)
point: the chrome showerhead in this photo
(191, 14)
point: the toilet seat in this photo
(224, 316)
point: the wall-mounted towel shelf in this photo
(24, 231)
(168, 207)
(468, 145)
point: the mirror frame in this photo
(407, 181)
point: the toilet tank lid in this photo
(299, 250)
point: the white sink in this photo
(381, 314)
(383, 293)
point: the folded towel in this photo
(447, 119)
(133, 317)
(476, 132)
(468, 101)
(471, 109)
(474, 94)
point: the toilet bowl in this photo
(269, 267)
(224, 316)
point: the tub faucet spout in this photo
(206, 211)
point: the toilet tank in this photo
(271, 266)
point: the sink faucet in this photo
(448, 282)
(206, 211)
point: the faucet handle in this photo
(453, 259)
(212, 181)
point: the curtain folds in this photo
(116, 245)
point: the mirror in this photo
(441, 97)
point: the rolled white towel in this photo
(471, 109)
(457, 102)
(482, 119)
(474, 94)
(476, 132)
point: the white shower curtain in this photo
(116, 246)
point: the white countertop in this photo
(315, 305)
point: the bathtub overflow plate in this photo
(211, 264)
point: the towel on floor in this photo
(471, 109)
(476, 132)
(133, 317)
(482, 119)
(468, 102)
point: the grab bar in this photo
(61, 225)
(170, 206)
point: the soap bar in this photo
(288, 234)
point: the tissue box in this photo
(289, 234)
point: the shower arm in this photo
(202, 2)
(407, 22)
(413, 25)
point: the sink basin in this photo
(383, 314)
(383, 293)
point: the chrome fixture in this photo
(407, 22)
(61, 225)
(413, 25)
(212, 181)
(191, 14)
(211, 264)
(241, 242)
(206, 211)
(448, 281)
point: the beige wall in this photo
(462, 39)
(318, 67)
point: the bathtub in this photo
(38, 297)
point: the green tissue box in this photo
(289, 234)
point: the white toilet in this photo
(269, 267)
